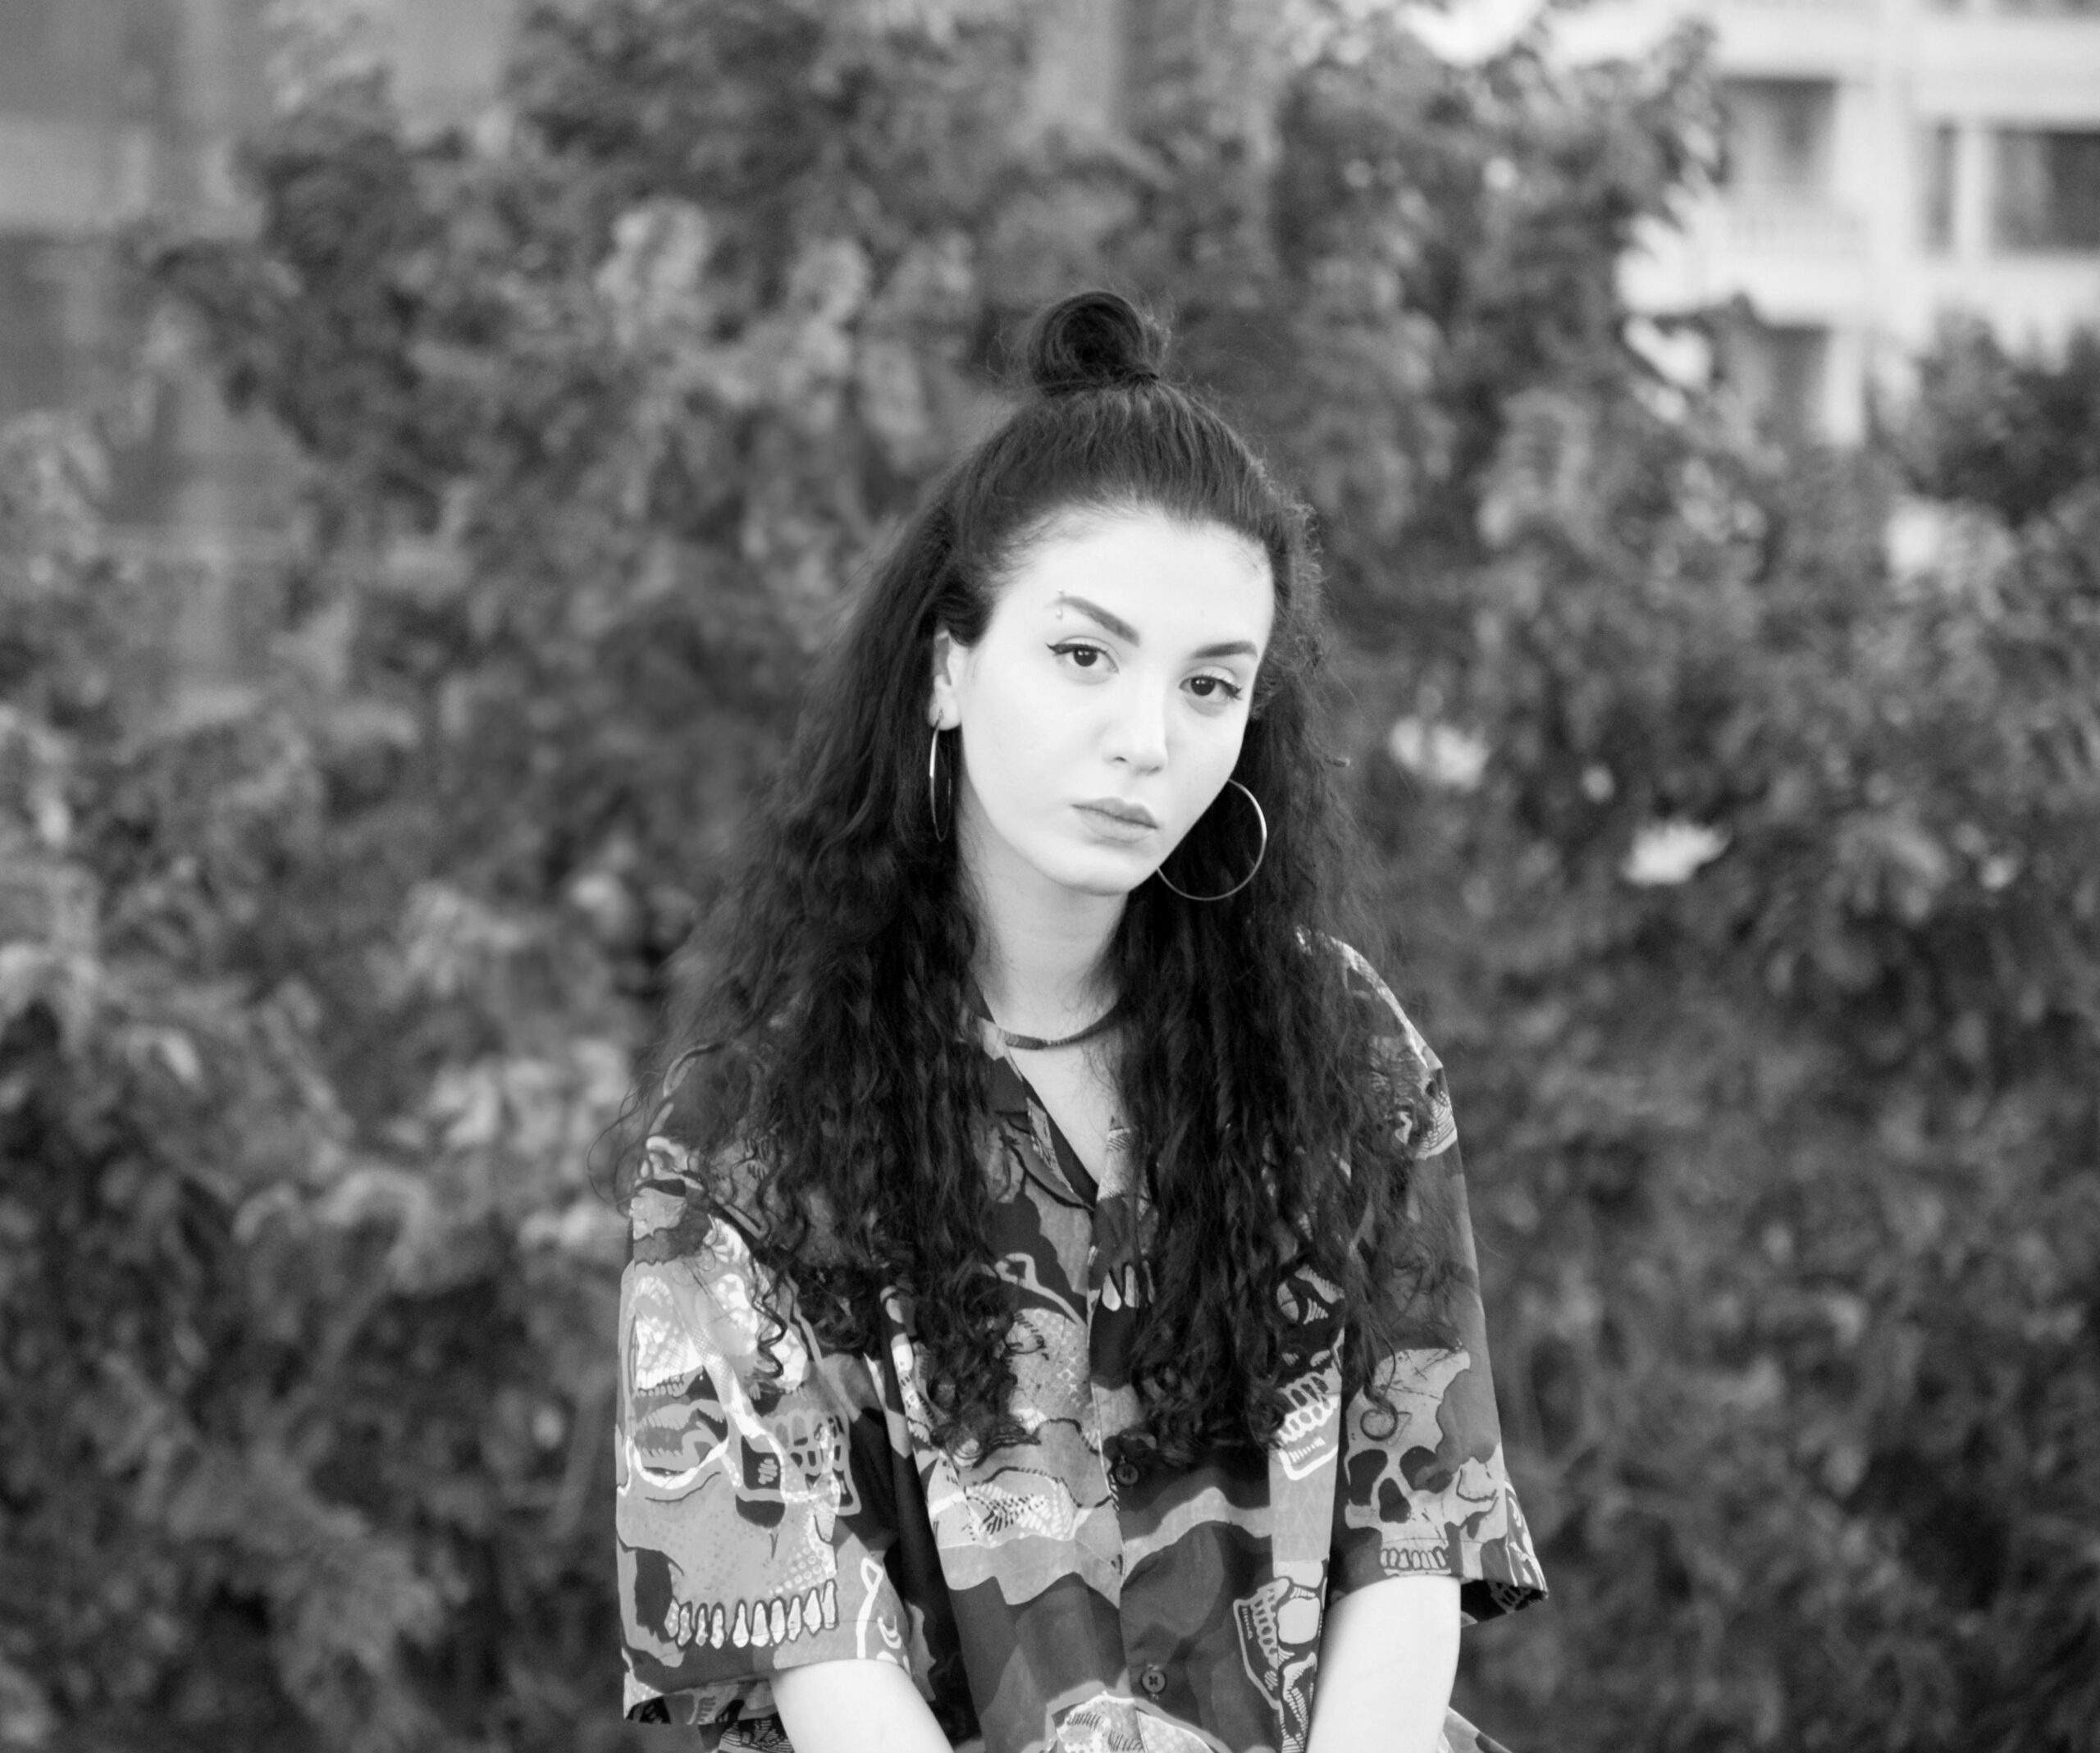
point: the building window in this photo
(449, 55)
(27, 67)
(33, 331)
(1779, 372)
(1779, 133)
(2046, 195)
(1937, 180)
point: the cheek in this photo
(1209, 764)
(1012, 735)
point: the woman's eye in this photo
(1081, 656)
(1214, 688)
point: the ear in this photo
(944, 710)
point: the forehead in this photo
(1172, 580)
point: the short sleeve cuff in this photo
(1495, 1576)
(734, 1712)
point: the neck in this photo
(1042, 948)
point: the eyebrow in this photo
(1122, 629)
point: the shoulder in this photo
(1405, 1066)
(690, 1158)
(682, 1192)
(1393, 1021)
(677, 1206)
(692, 1183)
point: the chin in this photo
(1108, 888)
(1107, 877)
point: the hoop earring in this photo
(1263, 820)
(933, 785)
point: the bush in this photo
(1745, 878)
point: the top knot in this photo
(1094, 341)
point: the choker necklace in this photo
(1029, 1043)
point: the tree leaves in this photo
(312, 1010)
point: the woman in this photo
(1052, 1316)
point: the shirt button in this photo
(1126, 1473)
(1153, 1680)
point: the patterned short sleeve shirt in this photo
(1068, 1593)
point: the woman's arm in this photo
(855, 1706)
(1387, 1656)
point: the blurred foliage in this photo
(303, 1410)
(312, 1006)
(2012, 435)
(1791, 1170)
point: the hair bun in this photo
(1094, 341)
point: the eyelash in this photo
(1231, 690)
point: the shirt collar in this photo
(1010, 1100)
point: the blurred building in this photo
(1887, 162)
(114, 111)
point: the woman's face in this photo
(1102, 709)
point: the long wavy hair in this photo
(818, 1018)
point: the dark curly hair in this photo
(816, 1017)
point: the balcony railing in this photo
(1843, 8)
(1790, 225)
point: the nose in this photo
(1136, 730)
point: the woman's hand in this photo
(855, 1706)
(1387, 1656)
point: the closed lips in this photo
(1135, 813)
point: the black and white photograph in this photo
(1050, 876)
